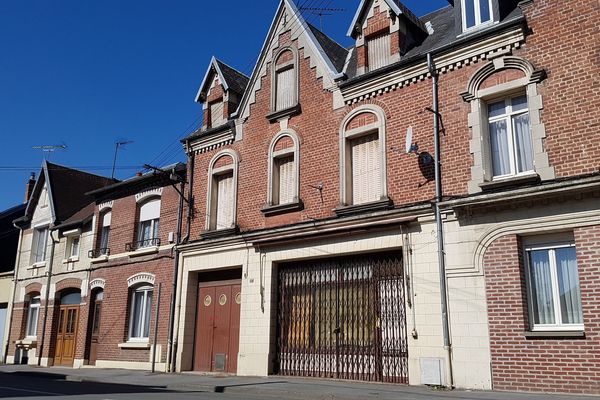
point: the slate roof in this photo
(410, 15)
(336, 53)
(79, 218)
(236, 80)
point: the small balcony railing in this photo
(96, 253)
(141, 244)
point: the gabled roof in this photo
(395, 5)
(336, 53)
(318, 45)
(67, 190)
(230, 78)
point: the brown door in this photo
(218, 328)
(67, 335)
(95, 334)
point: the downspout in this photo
(170, 349)
(190, 203)
(438, 220)
(51, 262)
(14, 294)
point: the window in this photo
(149, 224)
(74, 247)
(222, 188)
(378, 51)
(141, 308)
(44, 197)
(510, 137)
(553, 285)
(363, 159)
(40, 241)
(285, 80)
(33, 316)
(104, 232)
(283, 172)
(217, 117)
(476, 12)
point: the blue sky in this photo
(88, 73)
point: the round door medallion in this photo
(222, 299)
(238, 298)
(207, 300)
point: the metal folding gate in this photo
(343, 318)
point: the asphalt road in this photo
(13, 386)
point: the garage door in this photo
(343, 318)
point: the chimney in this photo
(29, 186)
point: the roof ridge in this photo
(48, 163)
(327, 36)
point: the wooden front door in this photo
(95, 334)
(66, 339)
(218, 327)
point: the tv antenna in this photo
(118, 144)
(321, 11)
(49, 149)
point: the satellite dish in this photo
(409, 137)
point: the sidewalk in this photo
(275, 387)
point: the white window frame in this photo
(145, 309)
(35, 257)
(105, 233)
(275, 69)
(478, 23)
(211, 199)
(509, 117)
(33, 306)
(558, 326)
(74, 251)
(346, 136)
(294, 151)
(154, 226)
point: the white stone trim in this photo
(273, 155)
(142, 277)
(146, 194)
(481, 171)
(97, 283)
(344, 135)
(106, 205)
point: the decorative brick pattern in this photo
(541, 364)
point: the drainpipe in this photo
(49, 273)
(14, 294)
(174, 288)
(438, 220)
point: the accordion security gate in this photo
(343, 318)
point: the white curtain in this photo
(523, 142)
(541, 287)
(500, 149)
(568, 285)
(224, 217)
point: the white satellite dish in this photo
(409, 138)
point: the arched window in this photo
(284, 78)
(362, 156)
(284, 171)
(222, 191)
(148, 228)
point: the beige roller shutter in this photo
(366, 180)
(216, 114)
(286, 89)
(287, 179)
(379, 51)
(224, 201)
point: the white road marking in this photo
(31, 391)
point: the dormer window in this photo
(378, 51)
(216, 111)
(476, 13)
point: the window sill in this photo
(135, 345)
(143, 251)
(277, 209)
(219, 233)
(99, 259)
(28, 342)
(288, 112)
(508, 182)
(70, 260)
(554, 334)
(41, 264)
(379, 205)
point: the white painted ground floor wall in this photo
(418, 243)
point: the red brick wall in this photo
(541, 364)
